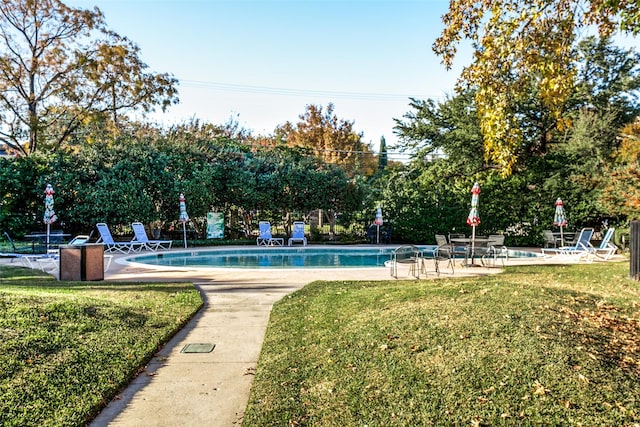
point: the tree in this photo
(383, 160)
(520, 45)
(607, 80)
(330, 139)
(449, 128)
(60, 67)
(621, 194)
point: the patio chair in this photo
(579, 249)
(406, 254)
(549, 239)
(458, 249)
(50, 262)
(495, 247)
(372, 233)
(606, 248)
(140, 236)
(110, 245)
(385, 234)
(444, 252)
(265, 238)
(298, 234)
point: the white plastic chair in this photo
(606, 249)
(297, 234)
(265, 238)
(110, 245)
(140, 236)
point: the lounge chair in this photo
(606, 248)
(579, 249)
(50, 262)
(17, 250)
(265, 238)
(140, 236)
(25, 254)
(111, 245)
(298, 234)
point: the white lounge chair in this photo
(140, 236)
(298, 234)
(111, 245)
(606, 248)
(580, 249)
(50, 261)
(265, 238)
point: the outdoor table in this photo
(41, 238)
(566, 237)
(478, 242)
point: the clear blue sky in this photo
(263, 61)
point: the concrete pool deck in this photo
(212, 389)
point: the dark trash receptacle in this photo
(82, 262)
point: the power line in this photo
(266, 90)
(391, 155)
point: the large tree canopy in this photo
(59, 66)
(622, 182)
(522, 46)
(330, 138)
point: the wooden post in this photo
(634, 247)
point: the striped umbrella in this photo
(560, 219)
(183, 217)
(474, 217)
(49, 214)
(378, 222)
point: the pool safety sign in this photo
(215, 225)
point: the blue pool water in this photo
(298, 257)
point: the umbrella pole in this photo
(48, 230)
(561, 237)
(184, 233)
(378, 234)
(473, 243)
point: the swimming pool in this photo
(281, 258)
(298, 257)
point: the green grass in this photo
(67, 348)
(536, 345)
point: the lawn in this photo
(68, 348)
(536, 345)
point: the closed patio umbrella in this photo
(560, 219)
(378, 222)
(474, 217)
(183, 217)
(49, 214)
